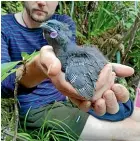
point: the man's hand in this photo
(107, 93)
(51, 66)
(47, 65)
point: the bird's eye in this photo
(58, 28)
(53, 34)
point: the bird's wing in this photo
(82, 71)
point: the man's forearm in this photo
(33, 73)
(127, 129)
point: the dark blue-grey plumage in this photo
(81, 65)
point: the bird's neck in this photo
(64, 47)
(59, 48)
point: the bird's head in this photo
(56, 32)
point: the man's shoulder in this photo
(6, 17)
(8, 24)
(60, 16)
(63, 18)
(6, 21)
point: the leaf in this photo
(5, 67)
(25, 136)
(80, 34)
(128, 25)
(109, 13)
(135, 54)
(134, 13)
(32, 55)
(7, 74)
(25, 56)
(28, 57)
(117, 17)
(4, 76)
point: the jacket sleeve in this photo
(125, 110)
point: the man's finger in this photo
(122, 70)
(112, 106)
(108, 84)
(83, 105)
(100, 107)
(103, 76)
(121, 93)
(52, 67)
(50, 63)
(104, 82)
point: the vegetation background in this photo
(114, 27)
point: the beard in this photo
(37, 18)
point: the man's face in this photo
(40, 11)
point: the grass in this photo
(47, 134)
(44, 133)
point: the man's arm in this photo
(8, 85)
(51, 67)
(126, 130)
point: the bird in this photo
(81, 65)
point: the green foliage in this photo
(134, 53)
(26, 57)
(47, 134)
(7, 69)
(44, 133)
(11, 7)
(94, 18)
(129, 88)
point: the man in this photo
(37, 94)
